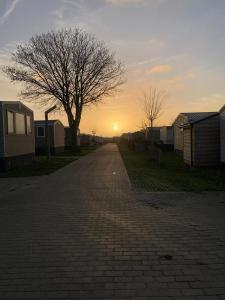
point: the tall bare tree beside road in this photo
(69, 68)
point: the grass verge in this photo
(171, 175)
(42, 166)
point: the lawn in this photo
(170, 175)
(84, 150)
(42, 166)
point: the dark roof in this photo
(194, 117)
(167, 126)
(42, 122)
(154, 128)
(198, 116)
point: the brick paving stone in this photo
(84, 233)
(208, 298)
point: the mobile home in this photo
(185, 118)
(56, 136)
(166, 135)
(17, 145)
(201, 140)
(86, 140)
(154, 133)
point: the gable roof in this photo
(155, 128)
(198, 116)
(195, 117)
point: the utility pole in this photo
(47, 131)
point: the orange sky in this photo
(178, 46)
(125, 109)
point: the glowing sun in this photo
(115, 127)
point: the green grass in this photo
(171, 174)
(84, 150)
(42, 166)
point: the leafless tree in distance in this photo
(154, 100)
(69, 68)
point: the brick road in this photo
(82, 233)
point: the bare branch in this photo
(69, 68)
(153, 104)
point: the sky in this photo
(175, 45)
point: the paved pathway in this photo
(81, 233)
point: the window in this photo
(20, 123)
(28, 119)
(40, 131)
(10, 122)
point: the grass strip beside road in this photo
(170, 175)
(42, 166)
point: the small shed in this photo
(56, 136)
(166, 135)
(17, 145)
(201, 140)
(222, 134)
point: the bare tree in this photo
(69, 68)
(153, 107)
(153, 104)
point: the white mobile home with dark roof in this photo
(17, 145)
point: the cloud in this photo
(122, 2)
(213, 101)
(78, 13)
(9, 10)
(5, 52)
(160, 69)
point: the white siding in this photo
(187, 146)
(178, 133)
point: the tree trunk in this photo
(74, 137)
(152, 140)
(74, 127)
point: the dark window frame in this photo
(43, 127)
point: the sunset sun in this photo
(115, 127)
